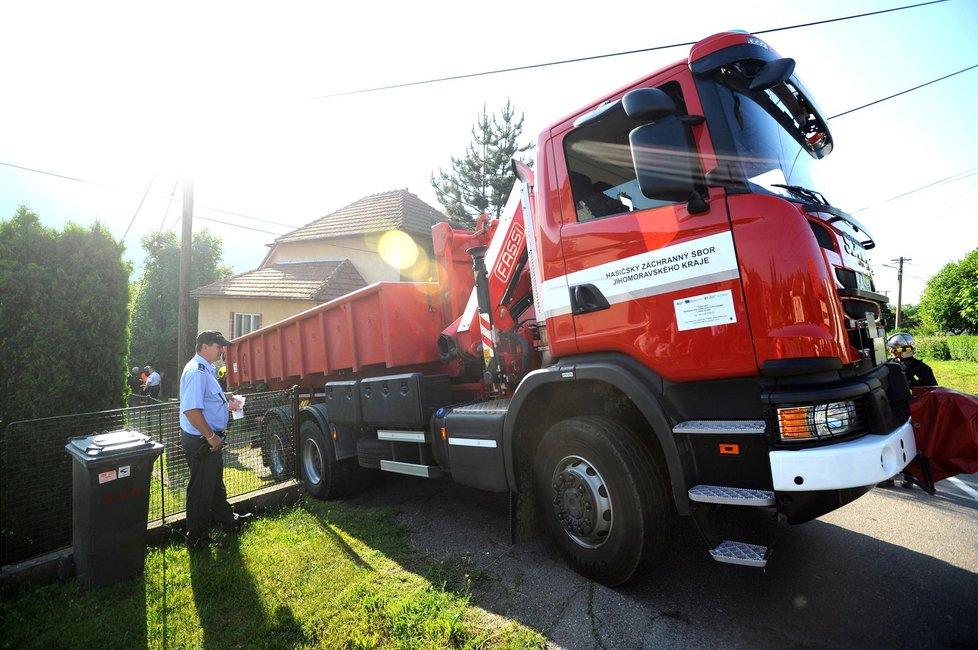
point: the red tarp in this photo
(945, 425)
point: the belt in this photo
(199, 435)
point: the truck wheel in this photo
(277, 448)
(325, 478)
(603, 498)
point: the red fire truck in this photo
(668, 318)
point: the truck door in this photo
(648, 277)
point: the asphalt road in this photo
(895, 569)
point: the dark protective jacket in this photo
(918, 373)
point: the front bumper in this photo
(856, 463)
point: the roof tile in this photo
(375, 213)
(320, 280)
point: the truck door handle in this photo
(586, 298)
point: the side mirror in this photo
(773, 73)
(663, 161)
(648, 104)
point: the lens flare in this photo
(397, 249)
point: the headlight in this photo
(801, 423)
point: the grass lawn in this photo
(959, 375)
(316, 575)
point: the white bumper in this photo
(856, 463)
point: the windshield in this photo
(776, 133)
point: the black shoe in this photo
(197, 543)
(887, 483)
(238, 523)
(907, 484)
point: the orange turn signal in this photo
(444, 434)
(795, 423)
(729, 449)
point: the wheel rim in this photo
(312, 461)
(581, 502)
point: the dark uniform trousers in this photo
(207, 498)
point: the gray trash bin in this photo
(110, 504)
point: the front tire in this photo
(603, 497)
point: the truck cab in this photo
(698, 287)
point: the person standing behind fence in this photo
(135, 385)
(152, 384)
(203, 420)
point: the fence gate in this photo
(35, 490)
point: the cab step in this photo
(740, 553)
(720, 427)
(731, 496)
(411, 469)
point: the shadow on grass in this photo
(342, 544)
(286, 632)
(70, 616)
(221, 571)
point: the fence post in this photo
(295, 429)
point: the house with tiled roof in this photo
(354, 231)
(318, 262)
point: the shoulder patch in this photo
(201, 367)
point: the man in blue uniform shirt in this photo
(203, 419)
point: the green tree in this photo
(950, 299)
(909, 318)
(64, 315)
(155, 311)
(482, 180)
(968, 296)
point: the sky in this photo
(109, 106)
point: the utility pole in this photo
(899, 261)
(184, 333)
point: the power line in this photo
(245, 216)
(903, 92)
(171, 200)
(168, 204)
(596, 57)
(947, 179)
(269, 232)
(234, 214)
(236, 225)
(145, 194)
(528, 67)
(70, 178)
(287, 225)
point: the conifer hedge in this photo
(64, 319)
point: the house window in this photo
(246, 323)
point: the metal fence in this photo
(36, 471)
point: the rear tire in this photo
(603, 497)
(277, 447)
(325, 477)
